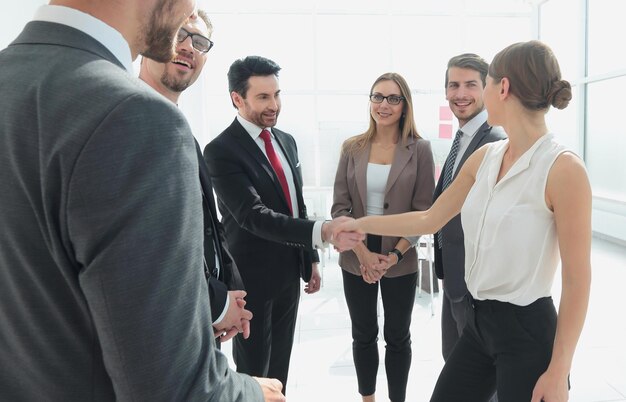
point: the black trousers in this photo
(453, 320)
(267, 352)
(504, 347)
(398, 296)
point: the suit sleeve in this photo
(342, 202)
(218, 293)
(425, 182)
(133, 207)
(237, 191)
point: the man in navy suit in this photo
(465, 81)
(256, 173)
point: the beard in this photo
(173, 84)
(159, 32)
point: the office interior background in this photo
(331, 51)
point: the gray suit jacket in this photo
(409, 188)
(102, 292)
(450, 259)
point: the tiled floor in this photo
(322, 368)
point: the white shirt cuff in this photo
(221, 317)
(317, 235)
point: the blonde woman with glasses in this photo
(386, 170)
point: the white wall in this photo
(14, 16)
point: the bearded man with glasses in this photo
(102, 294)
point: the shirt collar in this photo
(471, 127)
(103, 33)
(253, 130)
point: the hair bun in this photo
(560, 94)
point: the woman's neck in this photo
(524, 128)
(387, 135)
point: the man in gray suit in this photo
(102, 291)
(465, 81)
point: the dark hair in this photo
(241, 70)
(470, 61)
(534, 75)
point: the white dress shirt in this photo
(108, 36)
(469, 130)
(255, 133)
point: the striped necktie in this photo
(447, 171)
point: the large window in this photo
(606, 139)
(331, 51)
(596, 66)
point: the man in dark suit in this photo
(102, 291)
(465, 81)
(170, 80)
(256, 173)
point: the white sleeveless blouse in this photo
(511, 245)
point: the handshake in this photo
(340, 233)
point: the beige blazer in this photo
(410, 187)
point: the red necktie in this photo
(278, 167)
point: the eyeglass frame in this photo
(192, 35)
(399, 97)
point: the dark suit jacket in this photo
(271, 248)
(227, 276)
(102, 292)
(450, 259)
(410, 187)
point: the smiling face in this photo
(464, 93)
(187, 64)
(383, 113)
(261, 104)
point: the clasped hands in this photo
(342, 239)
(373, 265)
(236, 320)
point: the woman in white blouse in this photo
(525, 201)
(388, 169)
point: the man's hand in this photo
(272, 389)
(237, 318)
(344, 239)
(313, 285)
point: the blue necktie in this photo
(447, 171)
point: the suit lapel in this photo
(289, 153)
(401, 157)
(361, 160)
(209, 205)
(247, 143)
(478, 137)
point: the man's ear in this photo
(237, 99)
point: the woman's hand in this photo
(373, 265)
(551, 388)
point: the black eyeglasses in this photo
(199, 42)
(391, 99)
